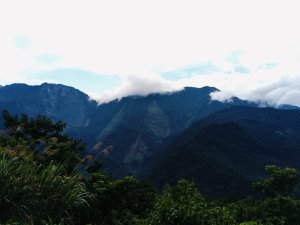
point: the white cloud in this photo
(153, 37)
(285, 91)
(271, 87)
(266, 83)
(138, 85)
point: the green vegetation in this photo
(40, 183)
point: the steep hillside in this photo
(54, 100)
(135, 126)
(224, 151)
(227, 150)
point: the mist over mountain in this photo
(150, 112)
(135, 126)
(222, 146)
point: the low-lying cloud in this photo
(138, 85)
(285, 91)
(266, 85)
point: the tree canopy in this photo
(41, 183)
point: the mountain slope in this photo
(54, 100)
(139, 125)
(227, 150)
(158, 136)
(135, 126)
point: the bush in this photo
(184, 205)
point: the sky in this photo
(110, 49)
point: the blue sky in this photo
(115, 48)
(79, 78)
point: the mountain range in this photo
(226, 151)
(163, 137)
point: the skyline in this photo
(112, 49)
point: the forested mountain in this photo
(223, 147)
(224, 152)
(134, 127)
(57, 101)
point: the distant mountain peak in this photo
(209, 88)
(54, 85)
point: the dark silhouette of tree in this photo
(42, 137)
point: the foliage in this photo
(279, 182)
(278, 206)
(40, 184)
(183, 204)
(42, 138)
(117, 200)
(96, 166)
(31, 194)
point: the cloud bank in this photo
(137, 85)
(248, 49)
(285, 91)
(268, 83)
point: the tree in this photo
(9, 120)
(281, 181)
(119, 201)
(277, 206)
(34, 127)
(43, 138)
(184, 205)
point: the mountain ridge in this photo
(227, 150)
(146, 120)
(135, 129)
